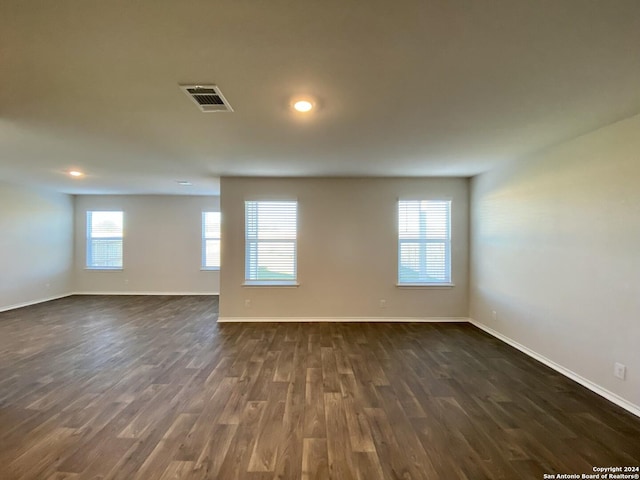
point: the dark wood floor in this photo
(153, 388)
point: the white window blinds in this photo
(104, 240)
(424, 242)
(211, 240)
(271, 241)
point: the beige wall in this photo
(347, 249)
(36, 245)
(556, 254)
(162, 245)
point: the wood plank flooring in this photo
(153, 388)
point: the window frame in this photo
(448, 282)
(89, 245)
(251, 282)
(204, 239)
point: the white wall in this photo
(347, 249)
(36, 245)
(162, 245)
(556, 254)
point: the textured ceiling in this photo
(403, 88)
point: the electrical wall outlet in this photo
(247, 303)
(619, 370)
(494, 315)
(383, 303)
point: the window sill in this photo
(271, 283)
(210, 269)
(425, 285)
(104, 269)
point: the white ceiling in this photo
(404, 88)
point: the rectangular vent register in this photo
(208, 98)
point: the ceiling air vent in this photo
(207, 97)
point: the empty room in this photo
(319, 240)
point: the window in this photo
(211, 240)
(424, 242)
(104, 240)
(270, 242)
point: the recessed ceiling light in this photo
(184, 183)
(303, 105)
(76, 173)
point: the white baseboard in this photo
(33, 302)
(603, 392)
(48, 299)
(341, 319)
(147, 293)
